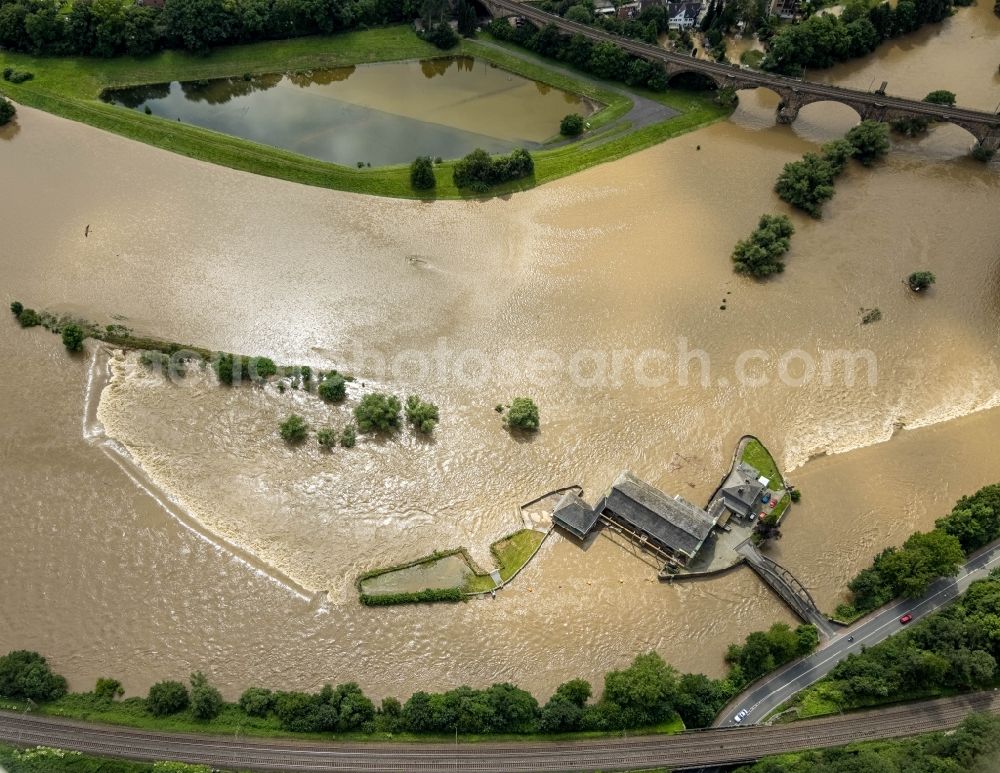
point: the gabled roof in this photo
(742, 488)
(674, 522)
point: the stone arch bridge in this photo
(793, 92)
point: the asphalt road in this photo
(683, 751)
(766, 695)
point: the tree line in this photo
(954, 649)
(823, 40)
(647, 693)
(108, 28)
(909, 570)
(973, 746)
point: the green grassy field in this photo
(511, 553)
(70, 87)
(758, 456)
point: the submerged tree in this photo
(920, 280)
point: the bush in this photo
(29, 318)
(326, 438)
(26, 675)
(333, 388)
(167, 698)
(108, 689)
(16, 307)
(522, 414)
(572, 125)
(920, 280)
(227, 368)
(979, 152)
(422, 173)
(17, 76)
(418, 597)
(377, 412)
(349, 437)
(206, 701)
(423, 416)
(795, 495)
(478, 170)
(7, 111)
(260, 368)
(294, 429)
(807, 184)
(72, 337)
(941, 97)
(760, 255)
(257, 702)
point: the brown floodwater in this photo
(214, 546)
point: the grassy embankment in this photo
(132, 712)
(70, 87)
(510, 554)
(756, 455)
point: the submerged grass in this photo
(71, 87)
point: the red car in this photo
(906, 618)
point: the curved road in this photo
(693, 749)
(766, 695)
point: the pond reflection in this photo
(374, 114)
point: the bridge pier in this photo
(789, 106)
(990, 142)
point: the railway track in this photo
(685, 750)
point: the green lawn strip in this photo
(70, 87)
(756, 455)
(514, 551)
(131, 712)
(35, 761)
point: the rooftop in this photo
(574, 515)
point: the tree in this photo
(293, 429)
(26, 675)
(349, 436)
(72, 337)
(571, 125)
(326, 438)
(699, 699)
(423, 416)
(333, 388)
(206, 701)
(522, 414)
(442, 36)
(167, 698)
(920, 280)
(422, 173)
(197, 25)
(870, 139)
(257, 701)
(377, 412)
(7, 111)
(16, 307)
(760, 255)
(807, 184)
(644, 693)
(579, 14)
(923, 558)
(941, 97)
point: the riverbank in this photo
(70, 87)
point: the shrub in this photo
(257, 702)
(571, 125)
(442, 36)
(377, 412)
(522, 414)
(423, 416)
(167, 698)
(108, 689)
(16, 307)
(795, 495)
(920, 280)
(941, 97)
(760, 255)
(418, 597)
(27, 675)
(7, 111)
(333, 388)
(422, 173)
(326, 438)
(206, 701)
(227, 368)
(29, 318)
(978, 151)
(72, 337)
(349, 437)
(478, 170)
(259, 368)
(17, 76)
(293, 429)
(806, 184)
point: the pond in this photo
(448, 572)
(372, 114)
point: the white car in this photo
(740, 716)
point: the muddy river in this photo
(599, 295)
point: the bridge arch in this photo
(693, 79)
(806, 100)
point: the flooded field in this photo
(377, 114)
(597, 295)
